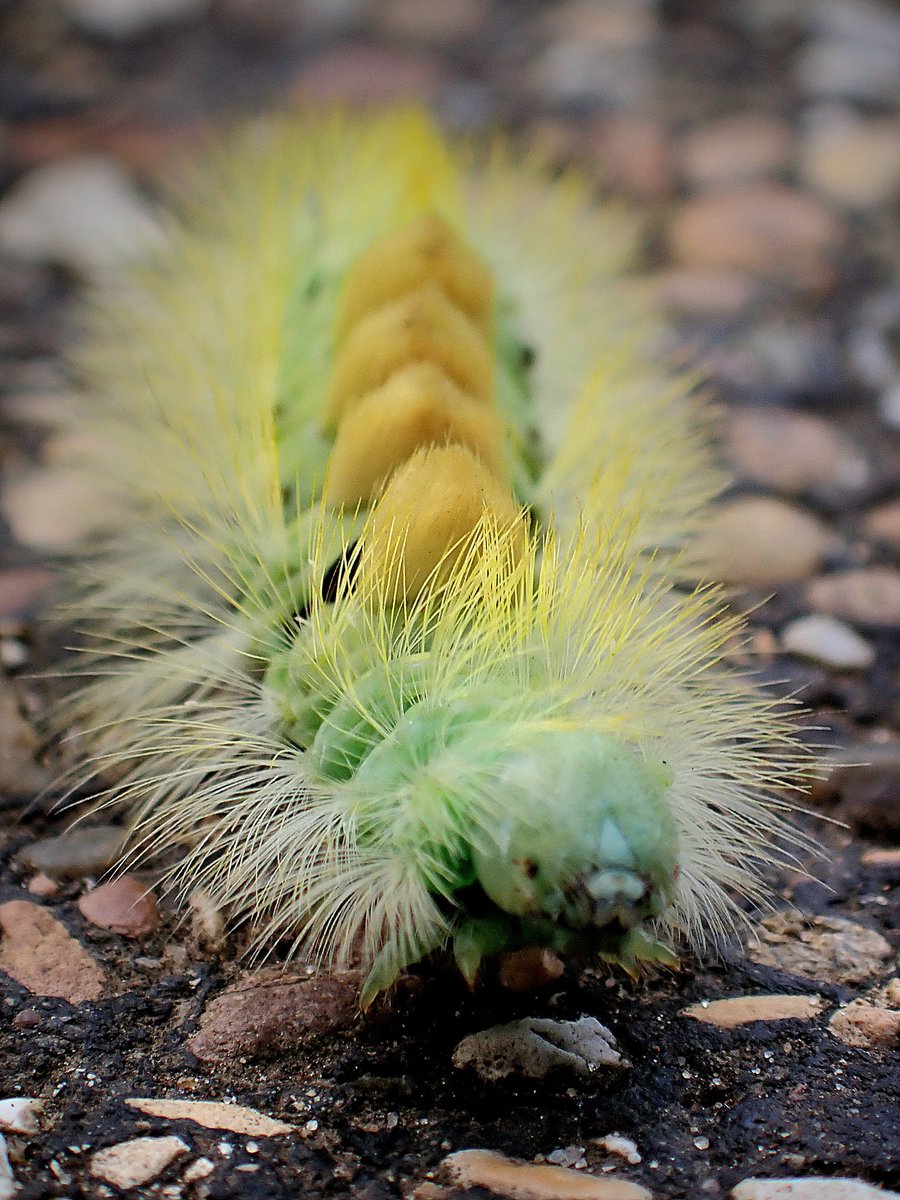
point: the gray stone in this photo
(536, 1045)
(828, 640)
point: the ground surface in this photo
(761, 140)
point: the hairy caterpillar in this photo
(388, 633)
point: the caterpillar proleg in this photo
(389, 633)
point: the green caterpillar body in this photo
(386, 632)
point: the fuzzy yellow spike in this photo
(423, 326)
(477, 713)
(426, 519)
(417, 407)
(403, 260)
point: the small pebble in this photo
(51, 509)
(533, 967)
(531, 1181)
(866, 1025)
(766, 228)
(42, 886)
(854, 162)
(865, 779)
(20, 1114)
(80, 851)
(889, 405)
(366, 74)
(742, 1010)
(794, 453)
(829, 641)
(735, 148)
(125, 905)
(882, 524)
(632, 155)
(761, 541)
(809, 1189)
(614, 1143)
(213, 1115)
(26, 1018)
(136, 1162)
(199, 1169)
(121, 19)
(849, 70)
(81, 212)
(537, 1045)
(865, 596)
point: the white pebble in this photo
(82, 212)
(126, 18)
(20, 1115)
(828, 640)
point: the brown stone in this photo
(22, 589)
(125, 905)
(136, 1162)
(533, 967)
(213, 1114)
(793, 452)
(765, 228)
(735, 148)
(270, 1012)
(532, 1181)
(741, 1010)
(866, 596)
(39, 953)
(705, 292)
(632, 155)
(882, 524)
(367, 74)
(866, 1025)
(431, 20)
(761, 541)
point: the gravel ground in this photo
(760, 141)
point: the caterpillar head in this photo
(584, 848)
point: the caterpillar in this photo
(390, 634)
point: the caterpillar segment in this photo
(389, 636)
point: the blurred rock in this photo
(865, 782)
(867, 596)
(530, 968)
(794, 453)
(38, 952)
(83, 213)
(119, 19)
(761, 541)
(734, 149)
(882, 524)
(889, 405)
(432, 20)
(367, 74)
(534, 1181)
(52, 509)
(20, 774)
(271, 1012)
(768, 228)
(21, 590)
(829, 641)
(848, 70)
(856, 163)
(706, 293)
(80, 851)
(632, 155)
(823, 948)
(125, 905)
